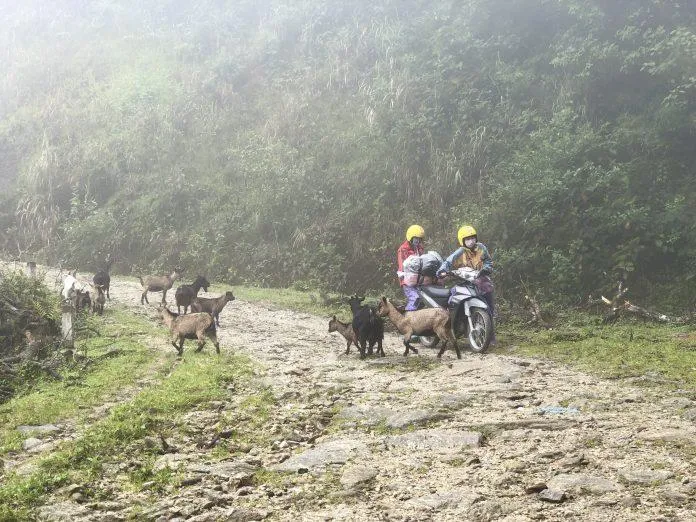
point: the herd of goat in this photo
(366, 331)
(199, 324)
(201, 316)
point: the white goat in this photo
(71, 285)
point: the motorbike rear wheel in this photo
(429, 341)
(482, 332)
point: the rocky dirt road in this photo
(487, 437)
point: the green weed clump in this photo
(652, 353)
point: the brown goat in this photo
(191, 326)
(212, 305)
(346, 330)
(420, 322)
(158, 284)
(99, 301)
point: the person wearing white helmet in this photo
(413, 246)
(474, 255)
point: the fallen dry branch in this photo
(620, 305)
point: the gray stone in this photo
(31, 443)
(404, 419)
(366, 415)
(537, 487)
(441, 500)
(645, 476)
(353, 476)
(170, 460)
(45, 428)
(552, 495)
(66, 511)
(455, 401)
(239, 514)
(667, 435)
(579, 483)
(674, 497)
(632, 398)
(322, 455)
(439, 440)
(237, 470)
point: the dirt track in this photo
(417, 439)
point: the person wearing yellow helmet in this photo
(413, 246)
(474, 255)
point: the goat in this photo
(212, 305)
(346, 330)
(368, 326)
(72, 285)
(191, 326)
(81, 300)
(102, 277)
(99, 301)
(185, 294)
(420, 322)
(154, 283)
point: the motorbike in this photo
(469, 313)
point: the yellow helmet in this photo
(464, 232)
(415, 231)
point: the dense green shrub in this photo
(271, 142)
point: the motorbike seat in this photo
(436, 292)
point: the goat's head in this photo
(354, 301)
(333, 324)
(383, 307)
(201, 282)
(229, 296)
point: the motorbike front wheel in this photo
(482, 332)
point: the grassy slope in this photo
(155, 410)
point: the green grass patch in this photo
(197, 379)
(49, 401)
(629, 348)
(312, 302)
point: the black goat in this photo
(103, 279)
(185, 294)
(368, 326)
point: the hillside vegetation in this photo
(280, 142)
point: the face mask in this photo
(470, 243)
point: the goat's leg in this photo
(143, 298)
(213, 337)
(217, 318)
(164, 297)
(456, 347)
(201, 341)
(443, 348)
(380, 350)
(107, 293)
(370, 347)
(407, 345)
(348, 347)
(179, 349)
(362, 348)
